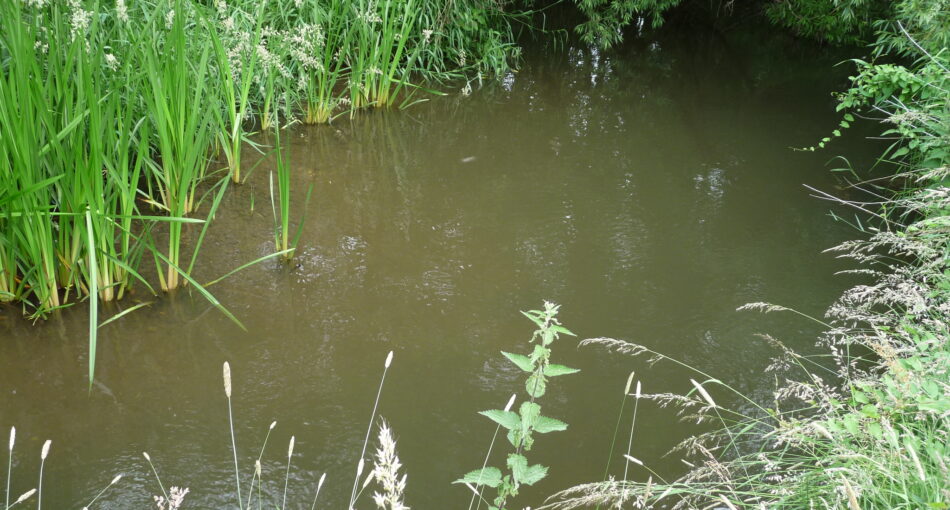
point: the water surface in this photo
(650, 191)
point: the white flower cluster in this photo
(121, 11)
(176, 496)
(386, 472)
(79, 19)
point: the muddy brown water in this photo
(650, 191)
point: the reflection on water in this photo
(649, 190)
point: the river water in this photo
(650, 191)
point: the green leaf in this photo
(535, 317)
(534, 474)
(539, 353)
(562, 330)
(506, 419)
(524, 474)
(850, 422)
(489, 476)
(543, 425)
(518, 465)
(536, 385)
(523, 362)
(529, 412)
(556, 370)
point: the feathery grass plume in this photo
(613, 440)
(386, 472)
(317, 495)
(633, 423)
(227, 379)
(258, 470)
(10, 463)
(23, 497)
(372, 416)
(43, 454)
(257, 467)
(702, 391)
(852, 497)
(114, 481)
(227, 392)
(290, 453)
(148, 459)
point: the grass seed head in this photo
(634, 460)
(26, 495)
(227, 379)
(511, 402)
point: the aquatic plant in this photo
(280, 205)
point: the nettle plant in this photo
(527, 421)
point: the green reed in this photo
(380, 64)
(183, 133)
(235, 87)
(110, 113)
(280, 204)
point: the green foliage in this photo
(880, 439)
(522, 425)
(838, 22)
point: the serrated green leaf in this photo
(523, 362)
(529, 412)
(554, 370)
(524, 474)
(506, 419)
(514, 437)
(544, 424)
(489, 476)
(518, 465)
(536, 385)
(534, 474)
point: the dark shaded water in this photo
(650, 191)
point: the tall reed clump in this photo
(527, 421)
(112, 112)
(280, 204)
(176, 82)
